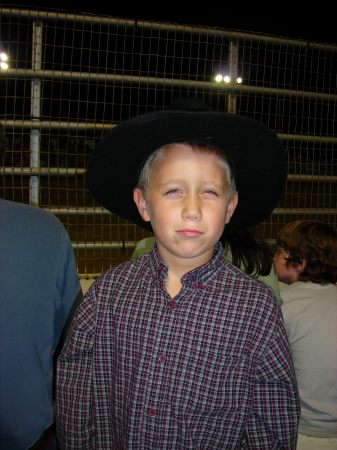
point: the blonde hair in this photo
(146, 171)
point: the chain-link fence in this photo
(72, 77)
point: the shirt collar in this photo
(198, 276)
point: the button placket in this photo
(172, 305)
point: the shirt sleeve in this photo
(68, 285)
(275, 410)
(74, 379)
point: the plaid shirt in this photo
(209, 369)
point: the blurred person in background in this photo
(38, 288)
(306, 260)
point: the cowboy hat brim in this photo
(254, 150)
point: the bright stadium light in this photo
(226, 79)
(3, 60)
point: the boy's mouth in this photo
(189, 233)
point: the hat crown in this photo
(188, 104)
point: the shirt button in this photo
(152, 412)
(172, 305)
(162, 357)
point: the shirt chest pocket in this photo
(211, 383)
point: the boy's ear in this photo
(138, 198)
(299, 267)
(231, 206)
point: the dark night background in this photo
(110, 102)
(316, 24)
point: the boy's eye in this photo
(172, 191)
(210, 192)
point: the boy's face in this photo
(187, 204)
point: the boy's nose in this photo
(191, 208)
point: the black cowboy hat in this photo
(253, 150)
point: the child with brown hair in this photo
(306, 259)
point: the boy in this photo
(179, 349)
(307, 260)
